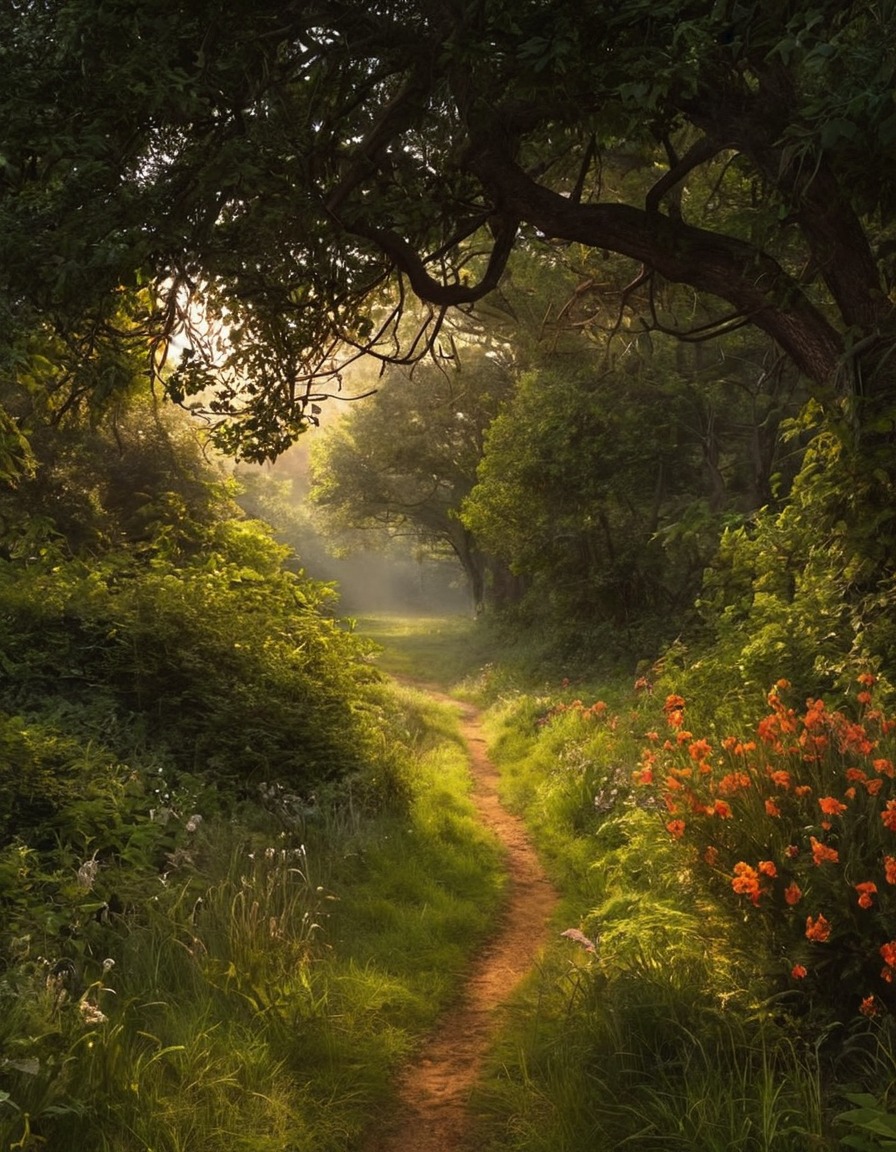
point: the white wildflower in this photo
(87, 872)
(90, 1014)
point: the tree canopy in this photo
(297, 172)
(402, 462)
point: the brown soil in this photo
(433, 1113)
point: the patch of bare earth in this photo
(433, 1114)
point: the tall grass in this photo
(664, 1035)
(257, 994)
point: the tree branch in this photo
(408, 261)
(699, 153)
(747, 277)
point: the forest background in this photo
(623, 274)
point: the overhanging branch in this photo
(748, 278)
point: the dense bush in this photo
(221, 660)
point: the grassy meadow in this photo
(726, 983)
(247, 969)
(256, 992)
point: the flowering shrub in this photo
(796, 827)
(596, 711)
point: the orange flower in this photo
(868, 1007)
(676, 828)
(884, 767)
(888, 952)
(699, 750)
(793, 893)
(856, 775)
(867, 678)
(863, 697)
(872, 787)
(798, 972)
(890, 869)
(642, 776)
(746, 881)
(733, 782)
(653, 737)
(780, 778)
(767, 730)
(866, 889)
(822, 854)
(889, 815)
(818, 929)
(767, 868)
(802, 790)
(711, 856)
(721, 808)
(853, 737)
(771, 808)
(831, 806)
(792, 851)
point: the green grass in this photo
(265, 990)
(662, 1038)
(438, 650)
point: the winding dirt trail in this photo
(434, 1091)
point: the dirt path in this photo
(435, 1090)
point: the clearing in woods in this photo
(434, 1090)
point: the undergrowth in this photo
(659, 1019)
(243, 973)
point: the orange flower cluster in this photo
(597, 710)
(888, 952)
(822, 854)
(817, 928)
(746, 881)
(781, 790)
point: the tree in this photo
(302, 168)
(607, 490)
(402, 462)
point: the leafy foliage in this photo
(612, 509)
(226, 661)
(297, 173)
(402, 462)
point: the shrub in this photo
(223, 661)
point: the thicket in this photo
(190, 743)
